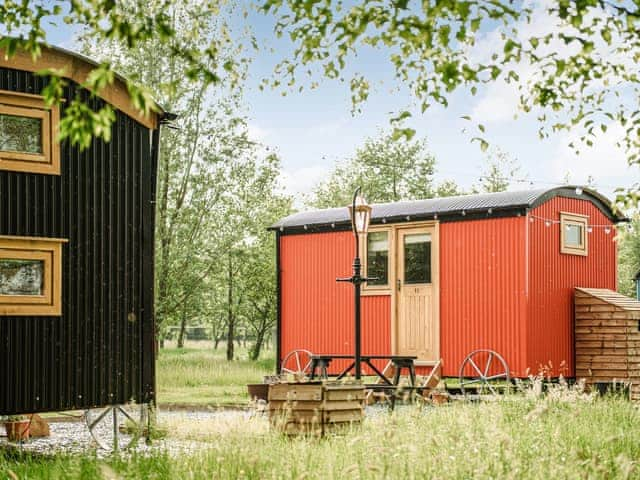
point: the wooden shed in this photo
(607, 332)
(494, 271)
(76, 245)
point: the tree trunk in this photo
(230, 315)
(254, 353)
(165, 241)
(216, 342)
(183, 327)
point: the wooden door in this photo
(417, 322)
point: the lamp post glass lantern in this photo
(360, 214)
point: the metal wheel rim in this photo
(302, 366)
(483, 378)
(97, 418)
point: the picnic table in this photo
(320, 365)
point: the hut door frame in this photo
(430, 354)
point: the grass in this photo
(557, 437)
(202, 376)
(564, 434)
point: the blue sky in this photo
(314, 129)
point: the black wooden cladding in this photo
(101, 350)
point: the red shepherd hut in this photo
(455, 274)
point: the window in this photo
(573, 234)
(378, 258)
(27, 133)
(30, 276)
(417, 258)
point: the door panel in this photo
(416, 289)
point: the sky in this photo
(314, 129)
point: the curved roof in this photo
(470, 206)
(76, 67)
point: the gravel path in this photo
(74, 437)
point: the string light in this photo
(578, 190)
(548, 222)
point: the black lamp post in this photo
(360, 213)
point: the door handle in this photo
(399, 284)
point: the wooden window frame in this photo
(379, 289)
(48, 250)
(567, 218)
(32, 106)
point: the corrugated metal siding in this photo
(553, 276)
(92, 355)
(316, 311)
(482, 290)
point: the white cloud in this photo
(498, 104)
(257, 133)
(302, 180)
(500, 100)
(604, 161)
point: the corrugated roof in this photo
(469, 204)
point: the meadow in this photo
(199, 375)
(513, 438)
(564, 434)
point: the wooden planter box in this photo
(315, 408)
(607, 336)
(17, 430)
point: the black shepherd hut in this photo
(76, 247)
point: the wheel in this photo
(297, 362)
(117, 427)
(486, 369)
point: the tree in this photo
(629, 256)
(128, 24)
(261, 297)
(217, 189)
(577, 69)
(246, 263)
(206, 163)
(498, 173)
(388, 170)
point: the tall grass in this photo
(204, 376)
(512, 438)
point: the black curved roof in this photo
(462, 207)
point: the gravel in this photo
(73, 437)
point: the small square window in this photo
(378, 258)
(27, 134)
(573, 234)
(30, 276)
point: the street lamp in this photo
(360, 214)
